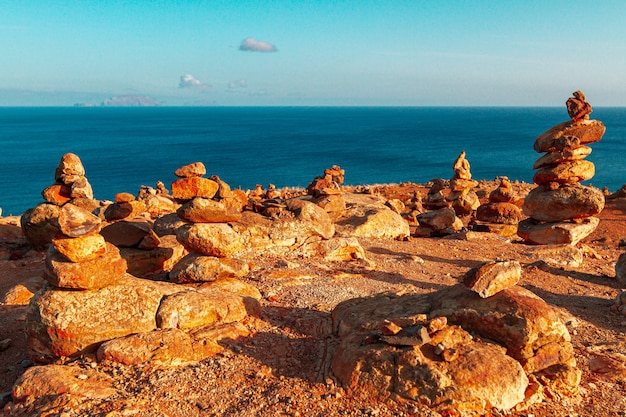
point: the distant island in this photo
(124, 101)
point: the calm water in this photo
(124, 148)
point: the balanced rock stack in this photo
(560, 209)
(207, 234)
(464, 200)
(326, 191)
(80, 258)
(39, 224)
(500, 215)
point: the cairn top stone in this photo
(196, 169)
(70, 169)
(577, 107)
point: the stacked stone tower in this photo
(560, 209)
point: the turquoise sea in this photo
(124, 148)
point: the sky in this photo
(312, 53)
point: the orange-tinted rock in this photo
(204, 210)
(500, 213)
(196, 169)
(95, 273)
(193, 309)
(82, 248)
(586, 131)
(563, 203)
(577, 107)
(155, 262)
(81, 188)
(200, 268)
(75, 221)
(188, 188)
(149, 241)
(556, 233)
(504, 192)
(562, 156)
(69, 323)
(70, 169)
(124, 210)
(568, 172)
(58, 194)
(57, 380)
(492, 277)
(40, 224)
(126, 233)
(124, 197)
(213, 239)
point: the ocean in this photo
(124, 148)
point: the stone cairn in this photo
(39, 224)
(560, 209)
(499, 215)
(326, 191)
(464, 200)
(208, 206)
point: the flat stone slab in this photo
(558, 233)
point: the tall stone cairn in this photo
(560, 209)
(464, 199)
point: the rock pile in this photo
(459, 350)
(499, 215)
(464, 200)
(39, 224)
(206, 234)
(326, 191)
(560, 209)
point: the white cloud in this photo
(251, 44)
(189, 81)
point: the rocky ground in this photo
(283, 367)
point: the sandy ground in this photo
(282, 368)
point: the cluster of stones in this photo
(464, 200)
(39, 224)
(326, 191)
(91, 302)
(560, 209)
(462, 350)
(500, 214)
(208, 206)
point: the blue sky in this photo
(414, 53)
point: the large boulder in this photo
(212, 239)
(585, 131)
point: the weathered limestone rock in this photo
(562, 156)
(212, 239)
(314, 217)
(192, 309)
(126, 233)
(196, 169)
(49, 380)
(569, 202)
(442, 221)
(40, 224)
(587, 131)
(341, 249)
(196, 267)
(81, 189)
(70, 323)
(492, 277)
(159, 205)
(75, 221)
(454, 371)
(556, 233)
(154, 262)
(204, 210)
(124, 210)
(567, 172)
(98, 272)
(499, 213)
(380, 223)
(70, 169)
(188, 188)
(167, 224)
(577, 108)
(79, 249)
(170, 347)
(563, 255)
(20, 294)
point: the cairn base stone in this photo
(556, 233)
